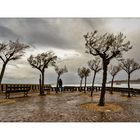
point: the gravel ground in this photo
(64, 107)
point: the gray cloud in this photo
(59, 33)
(6, 33)
(62, 34)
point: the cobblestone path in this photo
(65, 108)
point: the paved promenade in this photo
(65, 107)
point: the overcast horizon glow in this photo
(64, 36)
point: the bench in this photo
(16, 89)
(68, 88)
(47, 88)
(126, 90)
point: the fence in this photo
(36, 88)
(33, 87)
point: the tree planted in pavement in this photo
(41, 62)
(94, 65)
(11, 51)
(113, 70)
(107, 47)
(129, 66)
(60, 71)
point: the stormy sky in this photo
(64, 36)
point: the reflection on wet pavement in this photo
(65, 108)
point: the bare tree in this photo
(94, 65)
(11, 51)
(85, 72)
(60, 71)
(129, 66)
(41, 62)
(107, 47)
(113, 70)
(81, 75)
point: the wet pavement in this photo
(65, 107)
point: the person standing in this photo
(60, 84)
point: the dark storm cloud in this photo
(65, 37)
(48, 33)
(94, 23)
(7, 33)
(43, 33)
(34, 31)
(65, 33)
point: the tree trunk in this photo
(57, 84)
(2, 72)
(103, 90)
(85, 84)
(128, 84)
(42, 84)
(111, 90)
(81, 84)
(93, 84)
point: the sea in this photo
(136, 86)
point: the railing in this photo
(33, 87)
(36, 88)
(97, 88)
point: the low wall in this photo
(36, 88)
(33, 87)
